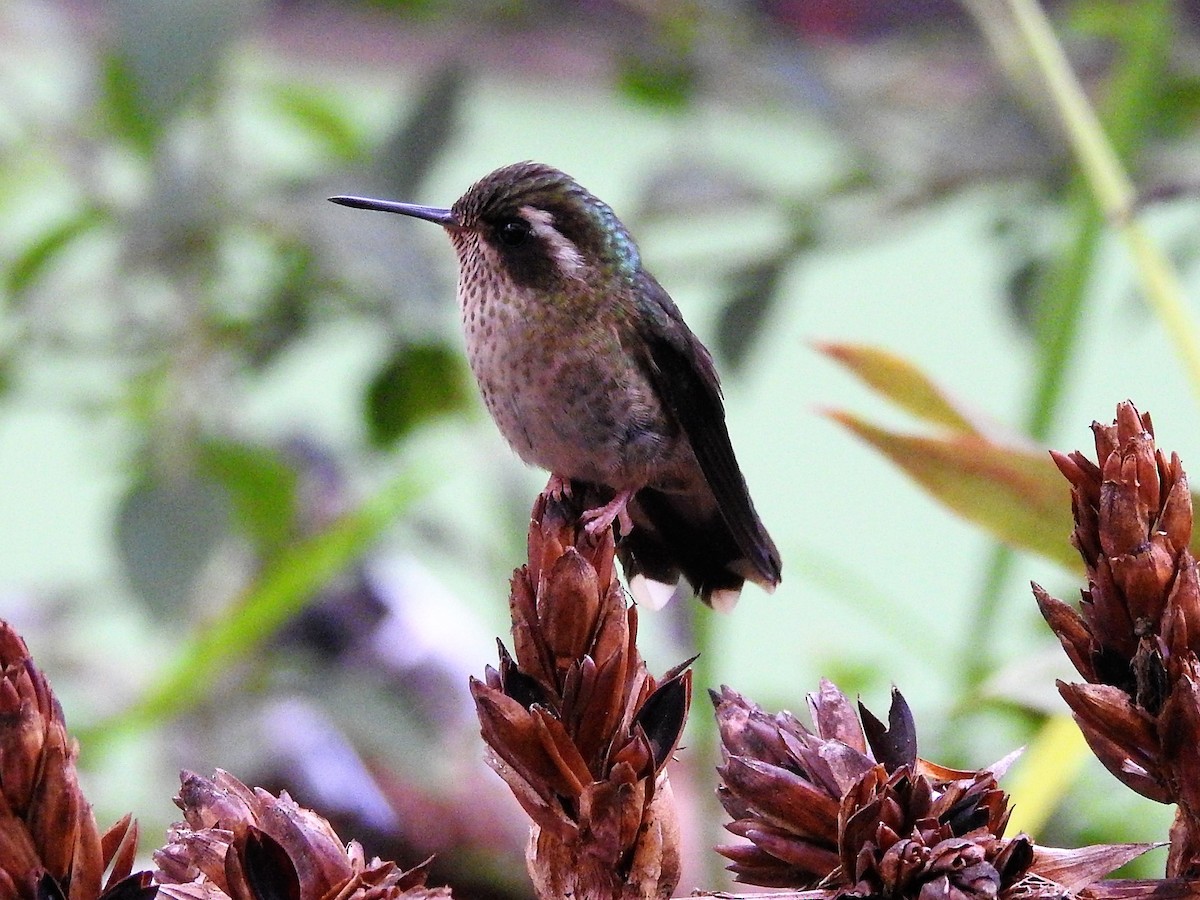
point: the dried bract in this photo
(236, 842)
(850, 810)
(49, 844)
(1136, 635)
(577, 727)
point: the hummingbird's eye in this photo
(513, 232)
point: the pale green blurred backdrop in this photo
(201, 363)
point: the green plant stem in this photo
(286, 584)
(1100, 192)
(1100, 158)
(1062, 301)
(704, 623)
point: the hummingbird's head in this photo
(531, 222)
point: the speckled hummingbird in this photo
(589, 370)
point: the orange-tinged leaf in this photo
(1016, 493)
(904, 384)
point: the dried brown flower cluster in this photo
(1136, 639)
(850, 810)
(576, 725)
(239, 843)
(49, 844)
(582, 733)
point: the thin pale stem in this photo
(1026, 44)
(1101, 165)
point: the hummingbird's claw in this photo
(558, 488)
(598, 520)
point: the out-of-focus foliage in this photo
(189, 271)
(418, 382)
(167, 260)
(1003, 484)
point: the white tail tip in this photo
(723, 600)
(653, 594)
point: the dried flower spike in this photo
(1136, 636)
(236, 842)
(576, 725)
(850, 810)
(49, 845)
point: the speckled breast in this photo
(561, 389)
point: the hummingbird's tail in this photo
(687, 534)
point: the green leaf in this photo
(166, 54)
(30, 263)
(122, 106)
(417, 383)
(322, 116)
(903, 383)
(1101, 18)
(1016, 493)
(751, 294)
(285, 314)
(283, 588)
(662, 71)
(1178, 106)
(8, 371)
(166, 530)
(261, 485)
(661, 81)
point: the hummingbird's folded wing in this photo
(682, 372)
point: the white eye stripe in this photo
(564, 253)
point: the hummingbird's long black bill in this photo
(444, 217)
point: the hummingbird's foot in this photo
(601, 518)
(558, 488)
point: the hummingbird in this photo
(589, 370)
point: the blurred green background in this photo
(220, 392)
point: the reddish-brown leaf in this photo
(568, 606)
(561, 750)
(834, 718)
(1179, 734)
(818, 857)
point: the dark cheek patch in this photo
(530, 265)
